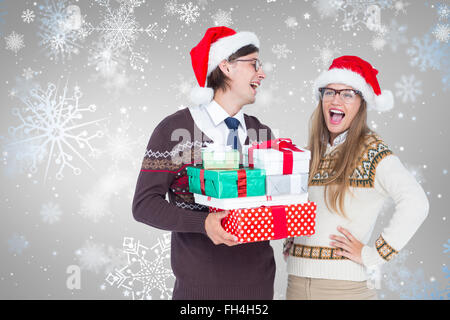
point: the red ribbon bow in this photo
(284, 145)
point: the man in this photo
(206, 260)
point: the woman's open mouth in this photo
(336, 116)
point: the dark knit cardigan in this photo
(202, 270)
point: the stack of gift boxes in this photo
(267, 197)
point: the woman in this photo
(352, 172)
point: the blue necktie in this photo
(233, 139)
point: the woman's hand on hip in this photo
(349, 246)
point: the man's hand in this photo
(215, 231)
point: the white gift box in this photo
(272, 160)
(286, 184)
(250, 202)
(216, 156)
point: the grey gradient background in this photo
(94, 207)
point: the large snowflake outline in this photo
(426, 53)
(120, 29)
(14, 42)
(60, 30)
(408, 88)
(188, 12)
(141, 277)
(51, 124)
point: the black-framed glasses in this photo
(257, 65)
(348, 95)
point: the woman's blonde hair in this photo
(348, 153)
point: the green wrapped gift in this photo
(223, 184)
(220, 157)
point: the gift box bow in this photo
(283, 145)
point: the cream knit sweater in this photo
(379, 175)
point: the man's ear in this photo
(225, 67)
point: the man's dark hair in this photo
(217, 80)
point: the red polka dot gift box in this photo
(270, 222)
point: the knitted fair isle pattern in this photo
(363, 175)
(176, 161)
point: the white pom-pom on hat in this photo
(201, 95)
(384, 101)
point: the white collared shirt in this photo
(337, 141)
(210, 118)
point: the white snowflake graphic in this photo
(28, 73)
(131, 3)
(425, 53)
(17, 243)
(14, 42)
(171, 7)
(443, 11)
(291, 23)
(122, 146)
(119, 32)
(119, 27)
(96, 203)
(378, 42)
(188, 12)
(97, 258)
(182, 87)
(28, 16)
(222, 18)
(147, 274)
(400, 6)
(328, 8)
(357, 13)
(411, 284)
(327, 51)
(408, 88)
(92, 257)
(281, 51)
(52, 125)
(442, 32)
(395, 35)
(61, 29)
(107, 60)
(50, 213)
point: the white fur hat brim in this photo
(381, 103)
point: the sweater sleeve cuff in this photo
(370, 257)
(382, 252)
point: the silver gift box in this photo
(286, 184)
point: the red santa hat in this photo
(217, 44)
(359, 74)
